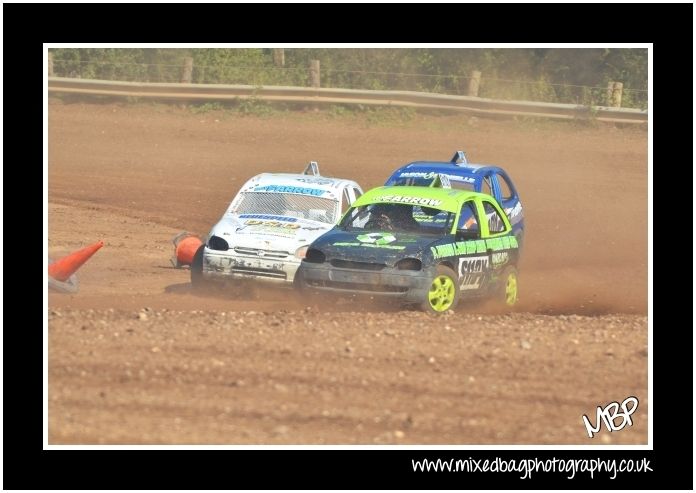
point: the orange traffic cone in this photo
(62, 269)
(185, 247)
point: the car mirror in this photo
(467, 234)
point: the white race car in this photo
(268, 226)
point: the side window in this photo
(345, 202)
(357, 193)
(462, 185)
(468, 219)
(505, 190)
(486, 186)
(495, 222)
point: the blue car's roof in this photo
(450, 168)
(471, 173)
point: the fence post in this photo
(314, 74)
(474, 82)
(50, 64)
(610, 92)
(616, 95)
(279, 57)
(187, 70)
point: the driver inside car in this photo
(392, 217)
(467, 220)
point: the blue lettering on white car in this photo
(288, 189)
(270, 218)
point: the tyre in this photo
(508, 286)
(298, 282)
(197, 268)
(519, 236)
(443, 294)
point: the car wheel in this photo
(443, 294)
(299, 282)
(303, 288)
(197, 268)
(507, 289)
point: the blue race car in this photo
(462, 175)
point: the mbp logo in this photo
(609, 415)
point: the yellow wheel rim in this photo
(511, 289)
(441, 294)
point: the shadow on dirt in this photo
(273, 298)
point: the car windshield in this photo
(400, 218)
(287, 204)
(426, 182)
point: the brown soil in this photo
(261, 367)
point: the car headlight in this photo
(409, 264)
(217, 243)
(301, 252)
(315, 256)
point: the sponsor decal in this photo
(472, 271)
(495, 223)
(429, 220)
(275, 232)
(271, 224)
(473, 246)
(514, 214)
(514, 211)
(499, 258)
(470, 281)
(408, 200)
(288, 189)
(377, 238)
(316, 181)
(470, 265)
(432, 175)
(268, 217)
(368, 245)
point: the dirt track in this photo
(270, 371)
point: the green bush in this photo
(577, 75)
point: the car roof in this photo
(465, 169)
(300, 181)
(446, 199)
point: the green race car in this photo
(429, 246)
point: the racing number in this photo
(472, 271)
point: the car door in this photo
(473, 260)
(502, 248)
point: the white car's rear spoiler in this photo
(312, 169)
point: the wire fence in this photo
(453, 84)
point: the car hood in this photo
(379, 247)
(279, 233)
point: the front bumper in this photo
(407, 285)
(224, 266)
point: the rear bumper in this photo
(225, 267)
(410, 286)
